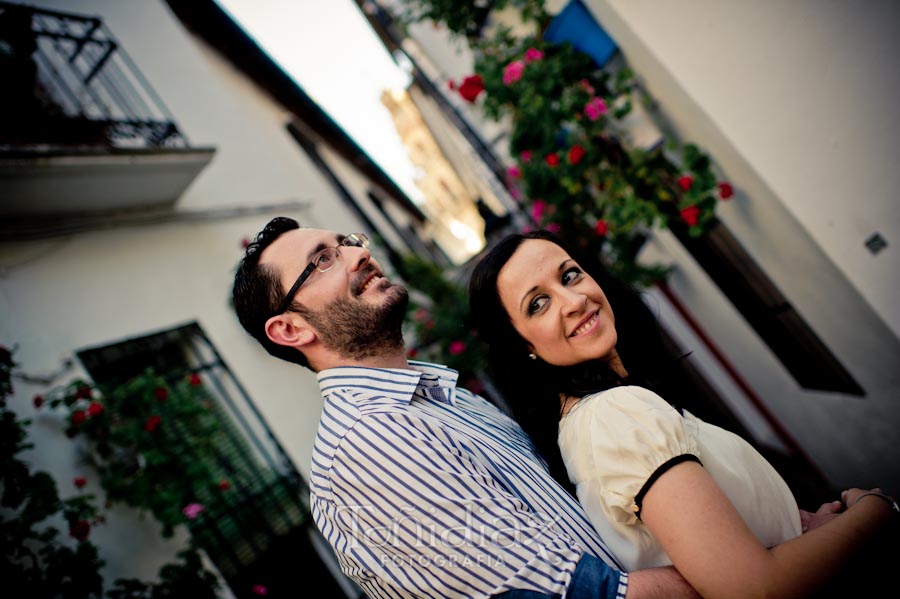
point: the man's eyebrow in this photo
(322, 245)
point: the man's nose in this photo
(357, 257)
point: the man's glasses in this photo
(323, 262)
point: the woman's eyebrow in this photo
(526, 295)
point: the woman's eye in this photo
(571, 275)
(536, 304)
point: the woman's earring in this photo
(532, 356)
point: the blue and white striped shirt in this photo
(424, 489)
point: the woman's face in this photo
(555, 306)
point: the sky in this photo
(329, 49)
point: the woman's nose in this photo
(572, 302)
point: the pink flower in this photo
(537, 210)
(586, 86)
(576, 153)
(514, 172)
(551, 159)
(725, 190)
(79, 481)
(553, 227)
(192, 510)
(690, 215)
(513, 72)
(533, 55)
(471, 87)
(685, 182)
(594, 108)
(457, 347)
(245, 242)
(260, 590)
(420, 315)
(525, 156)
(601, 228)
(527, 229)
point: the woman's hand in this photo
(828, 511)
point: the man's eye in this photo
(324, 259)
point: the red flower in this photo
(533, 55)
(471, 87)
(260, 590)
(95, 409)
(576, 153)
(690, 215)
(38, 401)
(78, 416)
(80, 530)
(83, 393)
(725, 190)
(152, 423)
(451, 85)
(79, 481)
(457, 347)
(245, 242)
(161, 393)
(224, 484)
(412, 352)
(601, 228)
(525, 156)
(195, 380)
(514, 172)
(551, 159)
(685, 182)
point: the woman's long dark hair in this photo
(531, 388)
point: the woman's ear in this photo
(290, 330)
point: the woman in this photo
(578, 354)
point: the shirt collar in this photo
(399, 384)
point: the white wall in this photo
(806, 92)
(794, 102)
(64, 294)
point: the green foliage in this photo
(467, 17)
(441, 323)
(35, 559)
(151, 441)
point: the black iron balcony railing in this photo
(68, 81)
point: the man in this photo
(421, 487)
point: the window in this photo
(764, 307)
(261, 532)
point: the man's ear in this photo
(290, 330)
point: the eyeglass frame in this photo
(353, 240)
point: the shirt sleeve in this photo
(635, 436)
(417, 511)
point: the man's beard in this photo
(357, 330)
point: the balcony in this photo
(81, 131)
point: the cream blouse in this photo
(612, 442)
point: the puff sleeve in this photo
(619, 441)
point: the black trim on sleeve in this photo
(639, 498)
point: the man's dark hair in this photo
(257, 292)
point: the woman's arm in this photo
(716, 552)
